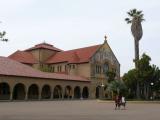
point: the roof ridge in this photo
(43, 43)
(44, 46)
(82, 48)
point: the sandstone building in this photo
(72, 74)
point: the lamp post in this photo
(151, 90)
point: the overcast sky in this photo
(70, 24)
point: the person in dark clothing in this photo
(117, 102)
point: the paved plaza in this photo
(77, 110)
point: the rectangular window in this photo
(52, 68)
(65, 68)
(59, 68)
(98, 69)
(73, 66)
(69, 66)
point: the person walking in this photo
(123, 102)
(117, 102)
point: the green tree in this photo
(145, 75)
(117, 87)
(155, 79)
(135, 19)
(111, 76)
(130, 80)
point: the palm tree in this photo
(135, 19)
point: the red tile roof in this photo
(80, 55)
(23, 57)
(9, 67)
(44, 46)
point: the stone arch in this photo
(77, 92)
(85, 92)
(68, 92)
(97, 94)
(19, 92)
(4, 91)
(33, 92)
(57, 93)
(46, 92)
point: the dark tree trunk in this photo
(148, 90)
(136, 66)
(138, 90)
(136, 47)
(145, 91)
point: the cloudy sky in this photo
(70, 24)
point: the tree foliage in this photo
(111, 76)
(145, 75)
(130, 78)
(117, 86)
(2, 34)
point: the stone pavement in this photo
(77, 110)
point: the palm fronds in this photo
(134, 13)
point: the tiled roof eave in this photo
(87, 61)
(56, 62)
(78, 62)
(29, 62)
(46, 78)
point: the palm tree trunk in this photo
(136, 66)
(136, 43)
(138, 90)
(145, 91)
